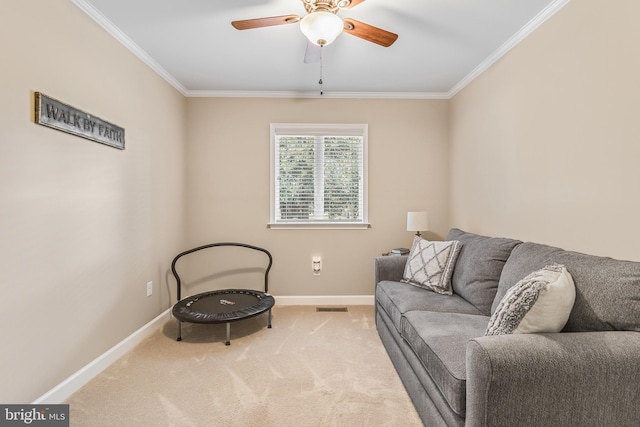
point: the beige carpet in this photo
(311, 369)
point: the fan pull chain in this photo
(320, 81)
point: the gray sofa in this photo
(586, 375)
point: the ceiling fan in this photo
(321, 25)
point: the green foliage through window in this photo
(319, 178)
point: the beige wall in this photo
(83, 226)
(545, 145)
(228, 182)
(542, 147)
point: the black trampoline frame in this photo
(181, 310)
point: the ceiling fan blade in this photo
(249, 24)
(369, 32)
(312, 53)
(353, 4)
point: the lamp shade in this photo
(321, 28)
(417, 221)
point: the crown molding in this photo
(117, 34)
(314, 94)
(524, 32)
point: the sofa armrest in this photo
(389, 268)
(567, 379)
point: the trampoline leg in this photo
(228, 334)
(179, 331)
(269, 324)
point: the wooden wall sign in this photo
(58, 115)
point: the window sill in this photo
(318, 226)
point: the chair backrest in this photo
(199, 248)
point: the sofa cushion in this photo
(541, 302)
(397, 298)
(439, 340)
(607, 290)
(479, 265)
(430, 264)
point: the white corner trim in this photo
(524, 32)
(76, 381)
(314, 94)
(325, 300)
(117, 34)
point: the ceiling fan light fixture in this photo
(321, 27)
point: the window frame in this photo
(318, 129)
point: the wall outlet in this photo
(149, 288)
(316, 265)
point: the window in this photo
(319, 175)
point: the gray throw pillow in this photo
(479, 267)
(430, 264)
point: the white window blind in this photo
(319, 175)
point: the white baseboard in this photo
(325, 300)
(75, 382)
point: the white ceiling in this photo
(442, 45)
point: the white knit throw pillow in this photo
(541, 302)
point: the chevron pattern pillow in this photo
(430, 264)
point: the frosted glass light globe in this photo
(321, 28)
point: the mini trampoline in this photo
(222, 306)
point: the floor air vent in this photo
(332, 309)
